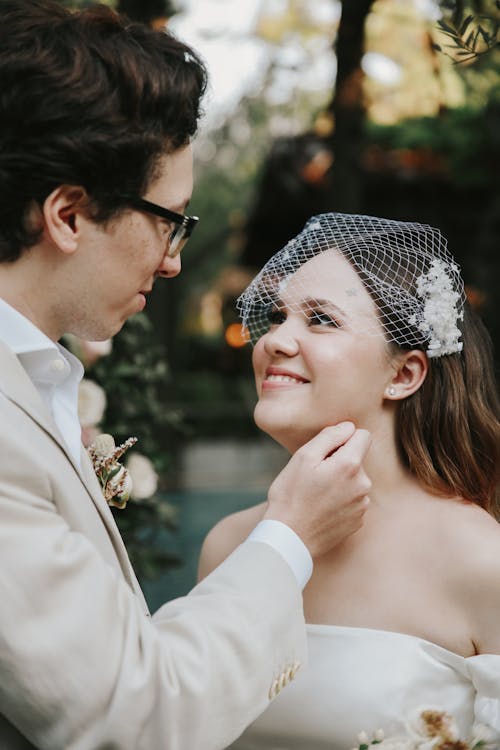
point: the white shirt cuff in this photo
(290, 546)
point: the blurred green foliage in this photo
(467, 138)
(136, 380)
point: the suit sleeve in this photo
(84, 669)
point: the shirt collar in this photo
(25, 340)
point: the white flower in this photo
(440, 314)
(88, 351)
(94, 350)
(396, 743)
(144, 477)
(486, 735)
(91, 403)
(430, 725)
(104, 445)
(120, 487)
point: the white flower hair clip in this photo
(440, 313)
(114, 478)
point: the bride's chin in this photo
(284, 436)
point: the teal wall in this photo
(198, 511)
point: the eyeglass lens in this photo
(177, 240)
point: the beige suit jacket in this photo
(83, 665)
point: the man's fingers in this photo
(328, 440)
(353, 451)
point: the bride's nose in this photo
(282, 339)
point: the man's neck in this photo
(25, 289)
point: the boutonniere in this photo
(114, 478)
(429, 729)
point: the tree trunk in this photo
(347, 107)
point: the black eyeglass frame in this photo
(182, 232)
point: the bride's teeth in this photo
(282, 379)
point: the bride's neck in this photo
(385, 468)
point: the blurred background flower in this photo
(144, 477)
(91, 403)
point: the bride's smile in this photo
(279, 377)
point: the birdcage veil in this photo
(405, 266)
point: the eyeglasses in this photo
(184, 225)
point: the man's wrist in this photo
(288, 544)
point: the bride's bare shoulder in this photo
(476, 556)
(468, 535)
(471, 526)
(226, 536)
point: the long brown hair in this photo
(449, 430)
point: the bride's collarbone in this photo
(399, 585)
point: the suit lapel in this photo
(17, 386)
(94, 489)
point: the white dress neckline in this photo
(380, 632)
(362, 678)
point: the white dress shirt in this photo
(54, 371)
(56, 374)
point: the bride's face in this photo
(324, 358)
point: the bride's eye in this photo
(322, 319)
(275, 316)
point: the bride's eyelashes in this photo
(276, 316)
(322, 318)
(315, 317)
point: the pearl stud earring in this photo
(391, 391)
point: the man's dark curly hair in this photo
(86, 98)
(145, 11)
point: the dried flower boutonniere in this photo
(430, 728)
(113, 477)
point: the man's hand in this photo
(322, 493)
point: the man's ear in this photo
(409, 374)
(61, 212)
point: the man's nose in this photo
(169, 267)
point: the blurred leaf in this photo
(136, 379)
(465, 45)
(465, 24)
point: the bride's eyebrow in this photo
(327, 304)
(308, 303)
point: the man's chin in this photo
(98, 331)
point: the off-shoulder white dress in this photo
(363, 679)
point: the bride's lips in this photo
(279, 377)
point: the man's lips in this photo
(279, 376)
(142, 298)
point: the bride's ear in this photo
(409, 374)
